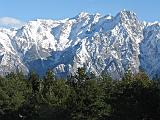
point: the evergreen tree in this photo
(13, 94)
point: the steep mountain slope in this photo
(98, 43)
(10, 61)
(150, 50)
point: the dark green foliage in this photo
(35, 82)
(88, 102)
(80, 97)
(14, 91)
(135, 98)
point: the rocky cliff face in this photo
(150, 50)
(98, 43)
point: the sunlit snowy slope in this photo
(98, 43)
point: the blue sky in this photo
(24, 10)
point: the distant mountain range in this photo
(98, 43)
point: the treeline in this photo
(80, 97)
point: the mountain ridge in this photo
(98, 43)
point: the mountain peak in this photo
(83, 14)
(126, 15)
(99, 43)
(127, 12)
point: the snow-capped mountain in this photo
(98, 43)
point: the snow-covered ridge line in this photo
(98, 43)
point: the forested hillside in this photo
(79, 97)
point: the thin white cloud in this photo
(10, 22)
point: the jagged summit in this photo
(83, 14)
(98, 43)
(127, 13)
